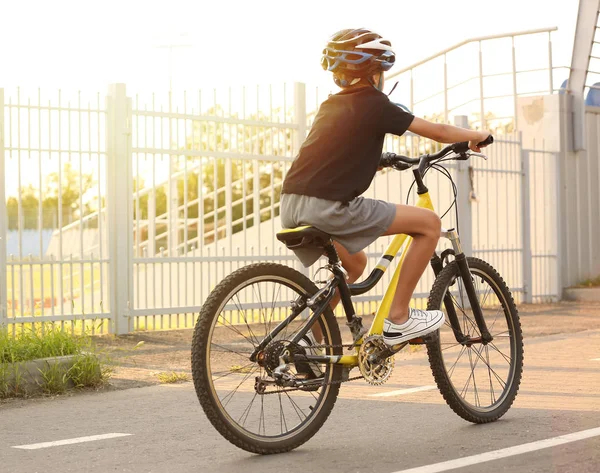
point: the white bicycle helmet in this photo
(357, 53)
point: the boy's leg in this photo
(424, 226)
(354, 264)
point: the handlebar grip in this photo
(386, 160)
(461, 147)
(488, 141)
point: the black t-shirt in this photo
(341, 154)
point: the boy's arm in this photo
(448, 133)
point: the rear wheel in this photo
(239, 396)
(478, 381)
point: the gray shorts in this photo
(355, 225)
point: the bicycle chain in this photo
(340, 381)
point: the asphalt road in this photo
(168, 432)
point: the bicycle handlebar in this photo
(402, 163)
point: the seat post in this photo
(331, 253)
(345, 295)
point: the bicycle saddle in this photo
(303, 237)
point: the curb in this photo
(585, 294)
(28, 374)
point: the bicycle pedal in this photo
(396, 348)
(421, 340)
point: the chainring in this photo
(374, 370)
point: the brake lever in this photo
(467, 154)
(479, 155)
(398, 166)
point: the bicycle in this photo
(259, 353)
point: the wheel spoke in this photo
(275, 298)
(246, 320)
(261, 310)
(246, 356)
(492, 370)
(462, 350)
(262, 415)
(492, 394)
(233, 371)
(282, 420)
(469, 349)
(233, 328)
(451, 345)
(234, 390)
(247, 411)
(296, 407)
(506, 357)
(488, 290)
(466, 318)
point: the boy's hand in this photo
(473, 145)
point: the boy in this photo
(337, 163)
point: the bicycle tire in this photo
(472, 413)
(203, 384)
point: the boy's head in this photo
(356, 56)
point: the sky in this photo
(89, 44)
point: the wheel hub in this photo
(270, 357)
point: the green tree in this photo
(70, 190)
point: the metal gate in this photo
(123, 213)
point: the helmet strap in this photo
(372, 82)
(393, 88)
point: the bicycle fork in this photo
(463, 268)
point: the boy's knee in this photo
(435, 226)
(356, 266)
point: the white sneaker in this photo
(419, 323)
(307, 342)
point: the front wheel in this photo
(239, 396)
(478, 381)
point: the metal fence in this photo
(53, 163)
(155, 199)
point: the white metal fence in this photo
(155, 200)
(52, 170)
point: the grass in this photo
(35, 344)
(87, 370)
(172, 377)
(594, 282)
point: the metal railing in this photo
(463, 101)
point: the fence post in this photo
(299, 115)
(526, 225)
(300, 122)
(463, 200)
(119, 197)
(3, 221)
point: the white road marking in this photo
(595, 359)
(91, 438)
(399, 392)
(505, 452)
